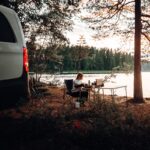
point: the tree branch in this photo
(145, 15)
(146, 36)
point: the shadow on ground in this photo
(104, 127)
(10, 100)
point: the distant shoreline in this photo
(95, 72)
(87, 72)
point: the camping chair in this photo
(70, 93)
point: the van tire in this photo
(24, 90)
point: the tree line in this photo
(78, 58)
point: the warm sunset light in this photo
(81, 29)
(84, 82)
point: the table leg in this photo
(112, 94)
(126, 96)
(126, 92)
(89, 94)
(99, 92)
(103, 93)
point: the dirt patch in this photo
(51, 99)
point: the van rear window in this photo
(6, 32)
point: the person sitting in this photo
(81, 92)
(78, 82)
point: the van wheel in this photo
(24, 91)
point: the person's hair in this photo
(79, 76)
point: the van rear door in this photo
(11, 46)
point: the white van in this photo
(13, 54)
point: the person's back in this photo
(78, 82)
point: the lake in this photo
(119, 79)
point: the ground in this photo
(48, 121)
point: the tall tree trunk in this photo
(138, 93)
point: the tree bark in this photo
(138, 92)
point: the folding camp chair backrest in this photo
(69, 85)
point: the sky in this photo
(81, 29)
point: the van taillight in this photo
(25, 59)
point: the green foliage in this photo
(45, 60)
(42, 20)
(88, 58)
(44, 23)
(59, 59)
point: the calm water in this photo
(120, 79)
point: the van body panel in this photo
(11, 53)
(13, 72)
(11, 61)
